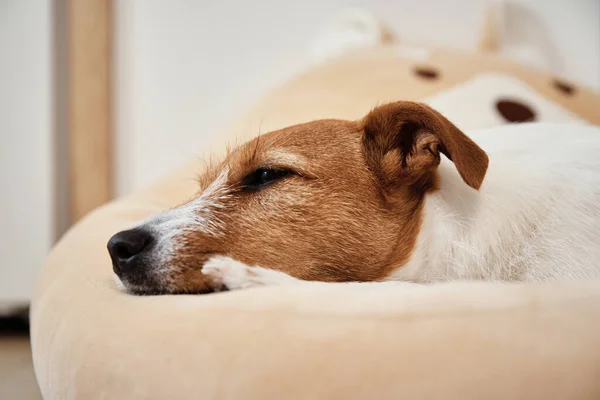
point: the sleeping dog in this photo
(399, 195)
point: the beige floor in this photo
(17, 380)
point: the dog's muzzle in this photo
(129, 251)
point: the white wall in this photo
(185, 66)
(26, 197)
(566, 31)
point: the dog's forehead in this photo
(310, 140)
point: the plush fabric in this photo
(453, 340)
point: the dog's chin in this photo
(151, 289)
(146, 291)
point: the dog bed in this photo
(451, 340)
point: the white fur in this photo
(225, 271)
(199, 215)
(536, 217)
(232, 274)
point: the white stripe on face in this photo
(199, 215)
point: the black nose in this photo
(126, 247)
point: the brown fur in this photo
(351, 210)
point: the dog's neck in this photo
(461, 234)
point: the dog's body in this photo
(386, 207)
(535, 218)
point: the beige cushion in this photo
(455, 340)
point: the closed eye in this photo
(263, 177)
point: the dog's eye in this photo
(263, 177)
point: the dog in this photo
(399, 195)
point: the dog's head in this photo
(327, 200)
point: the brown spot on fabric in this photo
(515, 111)
(428, 73)
(564, 87)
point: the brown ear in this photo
(402, 142)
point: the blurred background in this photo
(102, 97)
(178, 71)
